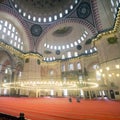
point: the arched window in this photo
(69, 54)
(51, 72)
(63, 68)
(98, 73)
(64, 79)
(78, 66)
(80, 78)
(95, 66)
(71, 66)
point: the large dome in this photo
(43, 10)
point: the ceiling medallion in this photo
(36, 30)
(58, 52)
(79, 47)
(84, 10)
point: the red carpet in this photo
(61, 109)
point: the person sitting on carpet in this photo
(70, 99)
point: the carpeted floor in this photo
(61, 108)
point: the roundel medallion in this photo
(79, 47)
(84, 10)
(58, 52)
(36, 30)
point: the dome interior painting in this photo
(84, 20)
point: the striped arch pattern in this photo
(96, 15)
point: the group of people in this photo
(77, 99)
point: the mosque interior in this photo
(60, 48)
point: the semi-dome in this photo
(64, 26)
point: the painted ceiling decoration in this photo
(47, 52)
(55, 29)
(79, 47)
(36, 30)
(84, 10)
(88, 41)
(63, 31)
(44, 11)
(58, 52)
